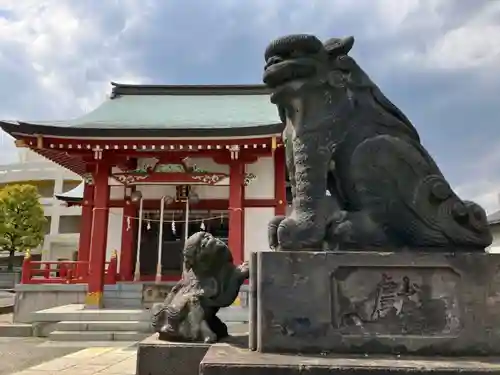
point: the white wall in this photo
(117, 192)
(33, 167)
(263, 186)
(495, 246)
(114, 241)
(211, 192)
(256, 220)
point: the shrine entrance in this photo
(173, 236)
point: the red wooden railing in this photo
(64, 272)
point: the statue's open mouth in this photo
(290, 61)
(279, 71)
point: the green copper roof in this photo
(73, 195)
(187, 111)
(169, 111)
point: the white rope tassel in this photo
(218, 217)
(173, 224)
(202, 225)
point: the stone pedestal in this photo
(157, 357)
(386, 303)
(222, 359)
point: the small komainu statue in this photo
(209, 282)
(359, 175)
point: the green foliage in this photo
(22, 220)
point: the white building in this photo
(63, 223)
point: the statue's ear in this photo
(339, 46)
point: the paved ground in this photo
(90, 361)
(6, 301)
(17, 354)
(6, 298)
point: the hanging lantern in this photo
(193, 198)
(136, 196)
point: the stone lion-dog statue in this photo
(359, 175)
(209, 282)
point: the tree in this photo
(22, 220)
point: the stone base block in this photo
(156, 357)
(224, 359)
(386, 303)
(16, 330)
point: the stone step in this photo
(105, 325)
(76, 312)
(15, 330)
(234, 314)
(98, 336)
(226, 359)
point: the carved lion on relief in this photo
(209, 282)
(360, 177)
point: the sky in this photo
(437, 60)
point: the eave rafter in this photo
(149, 145)
(72, 163)
(78, 155)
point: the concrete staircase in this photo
(100, 331)
(74, 323)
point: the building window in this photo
(45, 188)
(69, 185)
(69, 224)
(47, 224)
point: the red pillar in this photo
(127, 254)
(280, 181)
(86, 228)
(94, 297)
(236, 210)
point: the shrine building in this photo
(160, 163)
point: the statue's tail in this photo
(407, 192)
(464, 223)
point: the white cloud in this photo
(58, 56)
(472, 45)
(445, 43)
(482, 182)
(483, 192)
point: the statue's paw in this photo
(343, 233)
(166, 328)
(356, 229)
(210, 338)
(244, 268)
(294, 235)
(272, 231)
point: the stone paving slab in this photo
(90, 361)
(20, 353)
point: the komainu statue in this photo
(210, 281)
(359, 175)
